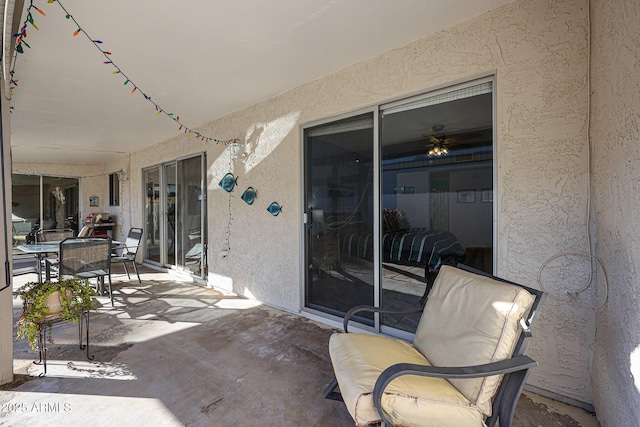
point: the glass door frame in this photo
(203, 215)
(164, 219)
(304, 259)
(165, 182)
(377, 199)
(41, 197)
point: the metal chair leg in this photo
(124, 264)
(136, 269)
(42, 348)
(110, 293)
(330, 393)
(84, 318)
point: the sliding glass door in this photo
(339, 215)
(175, 215)
(170, 213)
(44, 202)
(437, 187)
(385, 209)
(190, 217)
(153, 215)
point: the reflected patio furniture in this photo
(87, 258)
(466, 366)
(86, 231)
(193, 258)
(48, 224)
(52, 235)
(20, 231)
(128, 251)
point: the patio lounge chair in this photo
(465, 368)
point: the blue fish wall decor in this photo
(228, 182)
(274, 208)
(249, 195)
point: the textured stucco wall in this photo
(6, 298)
(538, 51)
(615, 139)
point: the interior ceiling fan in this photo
(439, 142)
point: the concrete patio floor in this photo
(171, 353)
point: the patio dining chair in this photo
(53, 235)
(128, 251)
(87, 258)
(465, 367)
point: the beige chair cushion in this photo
(471, 320)
(359, 359)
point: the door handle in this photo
(309, 218)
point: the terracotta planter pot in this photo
(55, 306)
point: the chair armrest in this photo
(360, 308)
(515, 364)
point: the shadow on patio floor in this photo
(172, 353)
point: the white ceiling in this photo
(198, 59)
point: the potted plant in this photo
(44, 302)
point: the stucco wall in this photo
(616, 161)
(538, 50)
(6, 298)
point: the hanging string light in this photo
(22, 34)
(232, 149)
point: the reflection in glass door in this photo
(175, 223)
(170, 212)
(152, 213)
(190, 224)
(339, 201)
(437, 186)
(43, 202)
(391, 197)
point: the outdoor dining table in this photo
(44, 248)
(40, 250)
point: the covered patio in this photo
(274, 154)
(172, 353)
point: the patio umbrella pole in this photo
(7, 265)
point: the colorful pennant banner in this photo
(19, 49)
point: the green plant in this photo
(75, 296)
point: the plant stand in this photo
(44, 329)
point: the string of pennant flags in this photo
(21, 44)
(228, 182)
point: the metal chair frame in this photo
(514, 370)
(87, 258)
(53, 234)
(129, 251)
